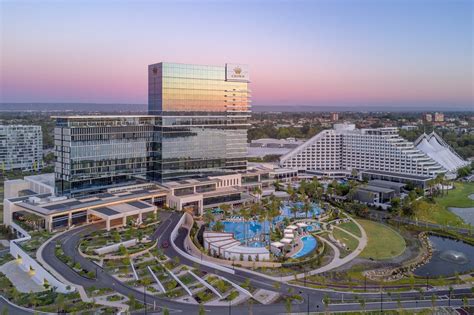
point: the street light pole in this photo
(307, 296)
(381, 302)
(144, 297)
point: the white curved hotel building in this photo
(436, 148)
(345, 148)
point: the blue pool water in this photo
(313, 227)
(286, 210)
(309, 244)
(253, 229)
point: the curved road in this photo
(312, 298)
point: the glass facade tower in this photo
(196, 126)
(94, 153)
(204, 114)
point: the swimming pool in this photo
(313, 227)
(286, 210)
(309, 244)
(254, 228)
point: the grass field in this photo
(383, 242)
(439, 213)
(351, 242)
(435, 213)
(458, 197)
(351, 227)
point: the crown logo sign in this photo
(155, 70)
(237, 70)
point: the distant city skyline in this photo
(304, 53)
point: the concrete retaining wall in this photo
(173, 236)
(115, 247)
(27, 264)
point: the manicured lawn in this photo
(435, 213)
(458, 197)
(383, 241)
(350, 242)
(351, 227)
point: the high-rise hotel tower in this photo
(196, 126)
(204, 114)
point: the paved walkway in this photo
(39, 258)
(20, 279)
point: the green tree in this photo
(202, 311)
(60, 302)
(132, 301)
(218, 226)
(433, 301)
(362, 303)
(288, 304)
(326, 301)
(166, 311)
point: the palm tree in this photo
(208, 217)
(330, 191)
(295, 210)
(273, 211)
(306, 207)
(431, 184)
(262, 217)
(258, 192)
(226, 208)
(246, 214)
(219, 226)
(277, 185)
(440, 181)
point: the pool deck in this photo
(297, 248)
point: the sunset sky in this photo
(403, 52)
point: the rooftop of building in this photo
(125, 207)
(45, 204)
(376, 189)
(189, 182)
(397, 175)
(382, 183)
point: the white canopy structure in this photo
(435, 147)
(286, 241)
(277, 244)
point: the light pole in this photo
(144, 297)
(381, 302)
(307, 297)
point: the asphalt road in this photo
(312, 298)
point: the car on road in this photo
(165, 244)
